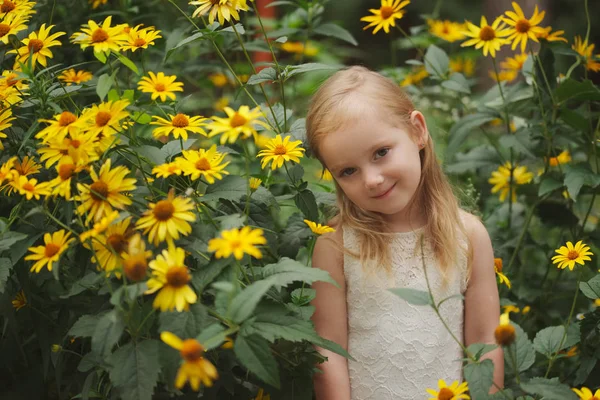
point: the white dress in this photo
(401, 349)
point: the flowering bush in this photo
(158, 208)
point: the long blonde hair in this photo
(331, 109)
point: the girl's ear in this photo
(417, 120)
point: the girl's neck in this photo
(408, 220)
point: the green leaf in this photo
(574, 90)
(525, 353)
(85, 326)
(264, 75)
(128, 293)
(108, 331)
(579, 175)
(458, 83)
(105, 82)
(413, 296)
(467, 126)
(549, 389)
(232, 187)
(140, 117)
(306, 202)
(548, 185)
(87, 282)
(102, 56)
(547, 340)
(5, 267)
(135, 369)
(591, 288)
(287, 271)
(481, 156)
(187, 40)
(151, 153)
(480, 377)
(174, 147)
(336, 31)
(479, 349)
(128, 63)
(212, 336)
(436, 62)
(184, 324)
(8, 239)
(308, 67)
(244, 303)
(298, 129)
(255, 354)
(294, 236)
(520, 142)
(205, 275)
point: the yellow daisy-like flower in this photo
(510, 308)
(166, 170)
(505, 332)
(140, 38)
(221, 103)
(498, 269)
(168, 218)
(241, 122)
(586, 51)
(262, 395)
(446, 30)
(170, 277)
(106, 192)
(102, 38)
(488, 37)
(71, 76)
(99, 227)
(31, 188)
(19, 301)
(37, 44)
(106, 119)
(324, 175)
(203, 163)
(503, 76)
(97, 3)
(218, 79)
(179, 125)
(318, 229)
(160, 85)
(416, 76)
(563, 158)
(550, 36)
(195, 368)
(238, 242)
(568, 255)
(61, 185)
(514, 63)
(135, 260)
(110, 245)
(254, 183)
(54, 245)
(462, 65)
(11, 25)
(223, 10)
(523, 28)
(5, 122)
(13, 79)
(455, 391)
(386, 15)
(501, 180)
(586, 394)
(27, 166)
(7, 173)
(19, 7)
(299, 48)
(63, 124)
(79, 145)
(280, 151)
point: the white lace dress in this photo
(401, 349)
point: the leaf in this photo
(574, 90)
(548, 185)
(436, 62)
(550, 389)
(413, 296)
(306, 202)
(205, 275)
(480, 377)
(255, 354)
(479, 349)
(294, 236)
(244, 303)
(465, 127)
(212, 336)
(187, 40)
(232, 187)
(525, 353)
(579, 175)
(105, 82)
(298, 129)
(264, 75)
(336, 31)
(128, 293)
(591, 288)
(520, 142)
(151, 153)
(83, 284)
(63, 91)
(128, 63)
(308, 67)
(481, 156)
(5, 267)
(108, 332)
(174, 147)
(85, 326)
(7, 239)
(135, 369)
(102, 56)
(458, 83)
(287, 271)
(547, 340)
(184, 324)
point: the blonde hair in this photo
(331, 109)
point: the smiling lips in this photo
(384, 194)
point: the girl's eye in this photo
(347, 172)
(381, 153)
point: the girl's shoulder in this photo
(473, 226)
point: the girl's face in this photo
(376, 164)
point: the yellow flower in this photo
(227, 344)
(195, 368)
(160, 85)
(586, 394)
(325, 175)
(224, 10)
(523, 28)
(511, 308)
(37, 44)
(14, 79)
(97, 3)
(9, 96)
(11, 25)
(550, 36)
(7, 173)
(415, 77)
(280, 151)
(79, 145)
(241, 122)
(587, 52)
(166, 170)
(254, 183)
(463, 65)
(221, 103)
(27, 166)
(54, 245)
(166, 219)
(455, 391)
(178, 125)
(19, 301)
(446, 30)
(110, 245)
(525, 310)
(569, 255)
(514, 63)
(170, 277)
(504, 76)
(261, 395)
(135, 260)
(490, 37)
(501, 179)
(299, 48)
(218, 79)
(505, 332)
(103, 38)
(203, 163)
(318, 229)
(60, 126)
(498, 270)
(19, 7)
(563, 158)
(106, 192)
(99, 227)
(140, 38)
(237, 242)
(30, 188)
(71, 76)
(386, 15)
(5, 122)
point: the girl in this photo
(391, 192)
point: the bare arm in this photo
(482, 304)
(330, 319)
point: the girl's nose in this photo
(373, 179)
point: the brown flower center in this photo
(498, 264)
(159, 87)
(237, 120)
(522, 26)
(191, 350)
(139, 42)
(445, 394)
(203, 164)
(99, 191)
(280, 150)
(445, 29)
(35, 45)
(118, 242)
(29, 187)
(99, 36)
(7, 6)
(75, 143)
(573, 255)
(51, 249)
(135, 268)
(102, 118)
(487, 33)
(180, 121)
(66, 118)
(12, 79)
(504, 334)
(163, 210)
(235, 244)
(65, 171)
(386, 12)
(178, 277)
(4, 29)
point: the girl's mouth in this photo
(381, 196)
